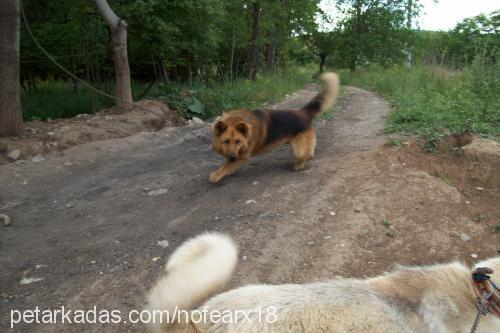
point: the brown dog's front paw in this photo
(299, 167)
(214, 177)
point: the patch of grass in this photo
(496, 229)
(391, 233)
(446, 180)
(330, 113)
(395, 143)
(57, 99)
(478, 217)
(389, 225)
(242, 93)
(432, 102)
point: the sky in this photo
(441, 16)
(447, 13)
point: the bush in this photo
(433, 101)
(207, 101)
(57, 99)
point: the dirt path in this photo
(90, 223)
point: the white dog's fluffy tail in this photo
(195, 271)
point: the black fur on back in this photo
(258, 113)
(314, 106)
(284, 124)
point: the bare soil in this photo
(51, 137)
(89, 222)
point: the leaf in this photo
(195, 106)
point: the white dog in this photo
(438, 298)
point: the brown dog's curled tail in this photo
(325, 99)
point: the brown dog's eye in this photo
(226, 142)
(238, 142)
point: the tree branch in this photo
(107, 13)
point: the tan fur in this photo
(6, 219)
(438, 298)
(303, 146)
(240, 134)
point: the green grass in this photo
(204, 100)
(58, 99)
(243, 93)
(433, 102)
(330, 113)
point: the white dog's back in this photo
(437, 298)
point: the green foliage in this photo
(58, 99)
(458, 47)
(242, 93)
(183, 41)
(395, 143)
(434, 101)
(374, 31)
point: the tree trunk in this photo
(271, 51)
(253, 52)
(11, 122)
(163, 71)
(322, 62)
(357, 40)
(118, 28)
(231, 61)
(409, 16)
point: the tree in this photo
(409, 16)
(10, 104)
(322, 44)
(118, 30)
(378, 30)
(253, 50)
(283, 19)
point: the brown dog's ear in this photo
(243, 128)
(219, 127)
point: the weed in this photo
(207, 101)
(496, 229)
(329, 114)
(391, 233)
(386, 223)
(478, 217)
(446, 180)
(431, 105)
(58, 99)
(395, 143)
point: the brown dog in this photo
(240, 134)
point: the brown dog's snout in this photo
(232, 158)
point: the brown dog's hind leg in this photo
(226, 169)
(303, 146)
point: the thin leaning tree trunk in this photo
(118, 28)
(231, 62)
(253, 53)
(11, 122)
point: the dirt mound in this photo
(466, 162)
(44, 137)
